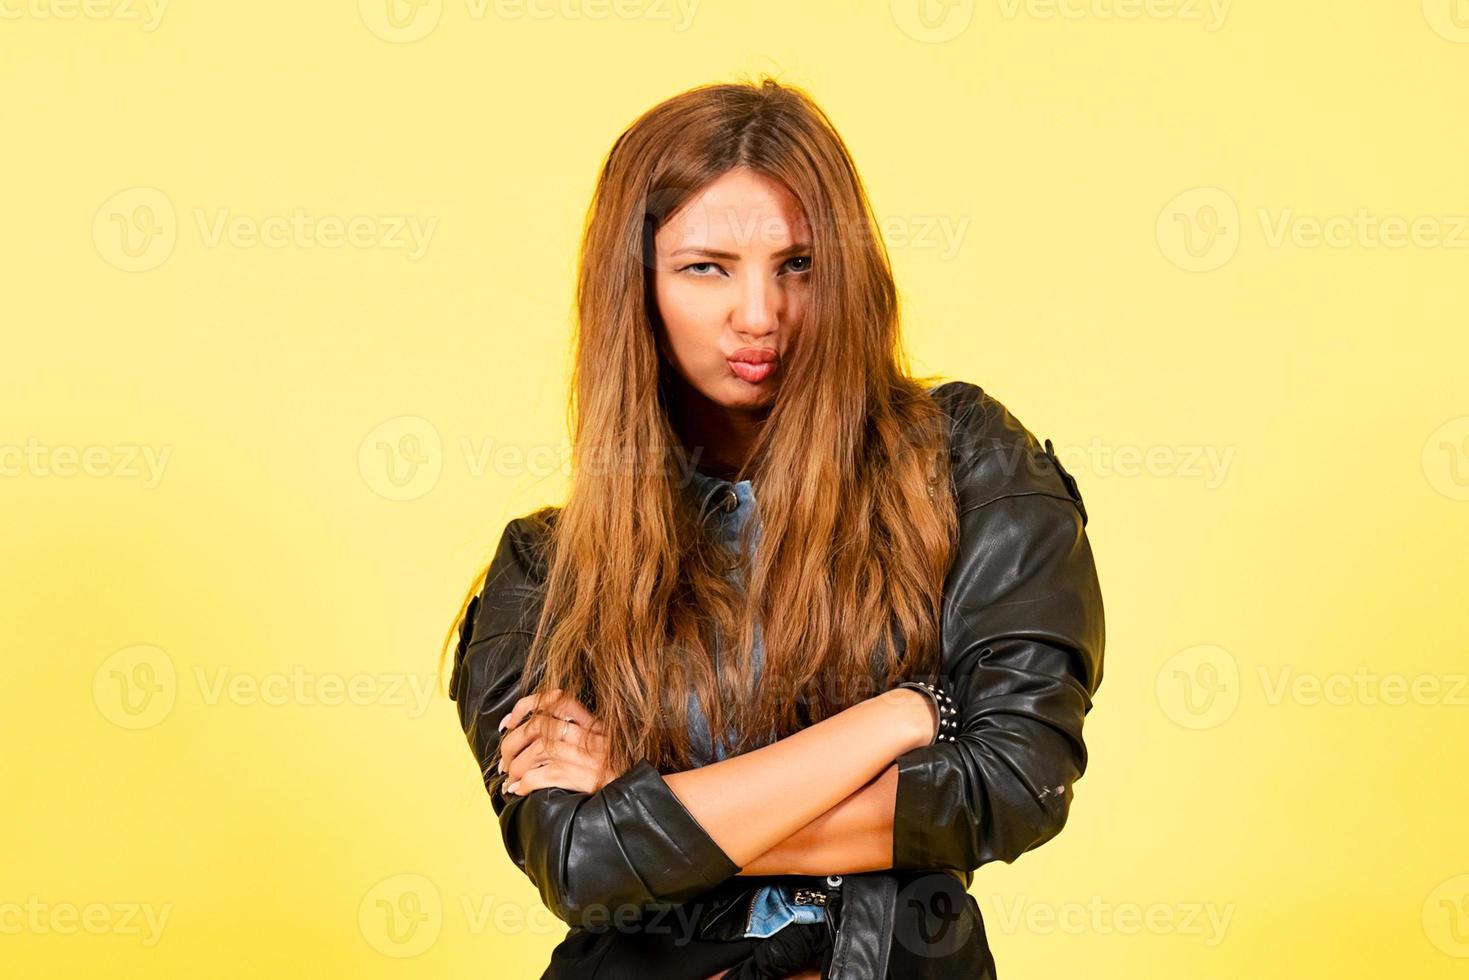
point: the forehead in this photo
(740, 211)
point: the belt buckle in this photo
(810, 896)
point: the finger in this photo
(569, 733)
(578, 779)
(593, 742)
(516, 741)
(566, 774)
(523, 707)
(541, 752)
(580, 744)
(520, 785)
(528, 758)
(554, 702)
(566, 707)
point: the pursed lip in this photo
(754, 355)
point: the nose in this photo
(759, 306)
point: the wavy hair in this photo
(857, 518)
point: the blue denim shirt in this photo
(774, 907)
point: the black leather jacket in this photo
(1022, 641)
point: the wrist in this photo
(909, 714)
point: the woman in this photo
(879, 590)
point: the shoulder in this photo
(993, 454)
(508, 600)
(980, 421)
(522, 556)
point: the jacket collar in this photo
(716, 496)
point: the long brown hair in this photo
(851, 468)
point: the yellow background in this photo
(213, 696)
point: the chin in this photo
(742, 394)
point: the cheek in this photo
(692, 329)
(797, 298)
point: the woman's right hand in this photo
(572, 756)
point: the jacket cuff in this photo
(661, 837)
(917, 814)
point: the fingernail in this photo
(501, 726)
(511, 787)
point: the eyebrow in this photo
(715, 253)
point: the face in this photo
(732, 279)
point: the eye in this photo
(800, 258)
(699, 265)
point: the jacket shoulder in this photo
(509, 600)
(980, 422)
(994, 455)
(522, 558)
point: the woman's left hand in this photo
(572, 756)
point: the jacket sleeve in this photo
(1022, 641)
(592, 856)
